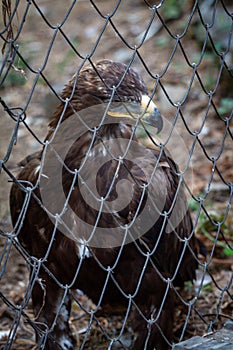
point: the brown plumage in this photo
(141, 268)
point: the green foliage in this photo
(172, 9)
(68, 57)
(207, 288)
(17, 74)
(193, 204)
(226, 105)
(228, 251)
(207, 227)
(162, 41)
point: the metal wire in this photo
(11, 35)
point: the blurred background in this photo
(183, 50)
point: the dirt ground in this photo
(208, 178)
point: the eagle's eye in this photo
(145, 110)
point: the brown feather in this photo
(62, 260)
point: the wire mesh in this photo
(184, 52)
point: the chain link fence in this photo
(183, 50)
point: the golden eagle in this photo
(139, 244)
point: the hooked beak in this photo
(147, 110)
(152, 115)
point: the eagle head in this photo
(109, 81)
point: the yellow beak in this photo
(146, 109)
